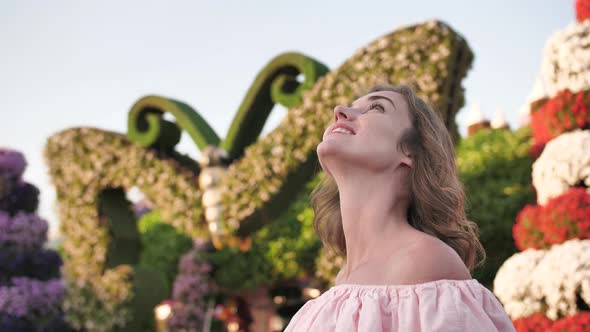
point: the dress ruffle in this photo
(442, 305)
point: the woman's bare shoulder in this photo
(431, 259)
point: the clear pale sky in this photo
(81, 63)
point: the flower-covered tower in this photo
(31, 292)
(546, 287)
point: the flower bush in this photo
(512, 284)
(40, 265)
(565, 62)
(13, 324)
(564, 112)
(24, 197)
(564, 163)
(539, 323)
(573, 323)
(32, 305)
(527, 231)
(533, 323)
(582, 10)
(551, 282)
(561, 276)
(31, 298)
(12, 167)
(567, 217)
(192, 288)
(22, 232)
(563, 218)
(31, 293)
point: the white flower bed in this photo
(564, 163)
(565, 63)
(560, 275)
(513, 281)
(545, 281)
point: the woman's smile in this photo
(343, 131)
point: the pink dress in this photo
(442, 305)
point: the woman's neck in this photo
(374, 215)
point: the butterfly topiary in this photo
(92, 169)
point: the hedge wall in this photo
(495, 168)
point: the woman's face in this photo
(366, 133)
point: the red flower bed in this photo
(527, 229)
(579, 322)
(538, 323)
(563, 218)
(564, 112)
(582, 10)
(534, 323)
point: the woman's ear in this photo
(408, 161)
(407, 158)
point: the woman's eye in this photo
(377, 106)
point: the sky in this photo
(67, 64)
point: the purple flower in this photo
(141, 207)
(31, 299)
(23, 197)
(191, 287)
(23, 231)
(191, 264)
(12, 162)
(186, 318)
(7, 185)
(15, 324)
(44, 264)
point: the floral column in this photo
(31, 292)
(546, 287)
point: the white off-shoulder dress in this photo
(442, 305)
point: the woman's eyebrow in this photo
(382, 97)
(376, 97)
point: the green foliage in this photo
(125, 243)
(495, 167)
(162, 246)
(149, 290)
(283, 250)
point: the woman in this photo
(392, 203)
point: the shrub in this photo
(495, 169)
(162, 245)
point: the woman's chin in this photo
(333, 150)
(329, 147)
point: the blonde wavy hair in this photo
(437, 201)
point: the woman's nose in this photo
(343, 112)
